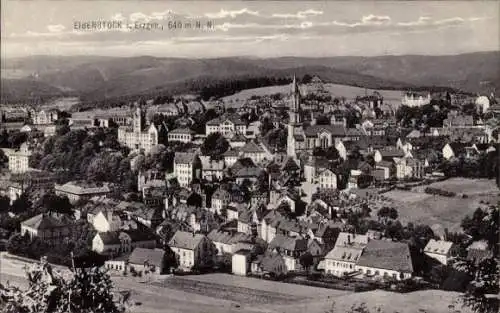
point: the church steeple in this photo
(294, 124)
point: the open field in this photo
(153, 298)
(444, 212)
(468, 186)
(349, 92)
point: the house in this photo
(240, 262)
(383, 259)
(227, 125)
(52, 229)
(327, 179)
(383, 170)
(341, 260)
(184, 135)
(105, 221)
(440, 250)
(143, 260)
(122, 241)
(269, 263)
(81, 190)
(227, 242)
(220, 198)
(187, 166)
(409, 168)
(453, 150)
(141, 136)
(18, 159)
(231, 156)
(32, 180)
(211, 170)
(192, 250)
(49, 131)
(238, 141)
(254, 151)
(245, 169)
(290, 248)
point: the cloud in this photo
(375, 20)
(299, 14)
(225, 14)
(227, 26)
(118, 17)
(56, 28)
(423, 20)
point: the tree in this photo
(306, 79)
(265, 126)
(482, 291)
(85, 291)
(214, 145)
(322, 120)
(306, 260)
(54, 203)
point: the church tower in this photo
(294, 124)
(138, 119)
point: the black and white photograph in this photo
(249, 156)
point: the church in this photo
(139, 135)
(302, 139)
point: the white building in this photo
(18, 159)
(192, 249)
(341, 260)
(106, 221)
(76, 191)
(440, 250)
(327, 179)
(228, 126)
(44, 117)
(184, 135)
(140, 136)
(415, 100)
(384, 259)
(187, 166)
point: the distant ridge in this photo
(100, 77)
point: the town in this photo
(298, 185)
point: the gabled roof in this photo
(46, 221)
(151, 256)
(345, 253)
(185, 157)
(288, 243)
(388, 255)
(349, 239)
(228, 237)
(252, 147)
(182, 130)
(335, 130)
(185, 240)
(82, 188)
(438, 246)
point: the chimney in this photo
(349, 239)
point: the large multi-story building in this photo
(76, 191)
(187, 166)
(140, 135)
(228, 126)
(44, 117)
(415, 100)
(52, 228)
(18, 159)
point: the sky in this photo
(250, 28)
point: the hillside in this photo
(95, 78)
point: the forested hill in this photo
(106, 78)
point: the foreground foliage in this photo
(81, 290)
